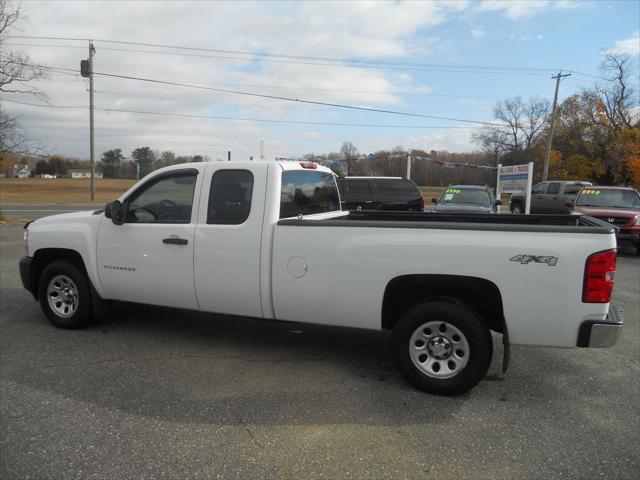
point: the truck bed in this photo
(461, 221)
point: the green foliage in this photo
(145, 157)
(111, 160)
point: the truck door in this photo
(149, 258)
(553, 199)
(537, 197)
(228, 239)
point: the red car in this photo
(617, 205)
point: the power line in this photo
(47, 105)
(276, 97)
(281, 87)
(298, 100)
(242, 119)
(311, 60)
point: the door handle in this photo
(175, 241)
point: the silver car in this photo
(466, 199)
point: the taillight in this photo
(421, 203)
(310, 165)
(598, 277)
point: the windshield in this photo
(611, 198)
(466, 196)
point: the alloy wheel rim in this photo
(62, 295)
(439, 349)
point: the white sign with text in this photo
(516, 179)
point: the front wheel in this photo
(64, 295)
(442, 347)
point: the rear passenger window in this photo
(399, 187)
(307, 192)
(230, 197)
(554, 187)
(358, 187)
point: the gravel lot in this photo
(161, 393)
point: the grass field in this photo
(59, 190)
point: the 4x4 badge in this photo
(526, 259)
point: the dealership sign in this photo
(515, 179)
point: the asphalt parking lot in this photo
(161, 393)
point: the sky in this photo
(452, 60)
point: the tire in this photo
(432, 337)
(64, 295)
(516, 208)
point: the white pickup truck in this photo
(269, 240)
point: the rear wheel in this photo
(64, 295)
(442, 347)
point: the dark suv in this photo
(380, 193)
(466, 199)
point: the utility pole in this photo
(92, 50)
(547, 154)
(409, 164)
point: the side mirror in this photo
(107, 210)
(434, 200)
(497, 203)
(116, 212)
(570, 203)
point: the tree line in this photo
(112, 163)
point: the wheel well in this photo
(45, 256)
(477, 293)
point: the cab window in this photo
(539, 188)
(230, 197)
(168, 199)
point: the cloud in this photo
(478, 32)
(350, 30)
(518, 9)
(629, 46)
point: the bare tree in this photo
(350, 154)
(16, 74)
(523, 124)
(617, 96)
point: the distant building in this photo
(24, 172)
(82, 174)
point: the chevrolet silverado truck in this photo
(269, 240)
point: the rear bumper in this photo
(25, 273)
(601, 333)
